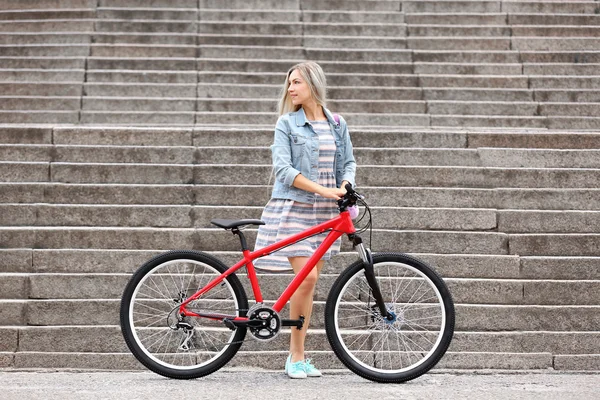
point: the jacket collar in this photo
(301, 117)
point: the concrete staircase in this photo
(389, 63)
(467, 118)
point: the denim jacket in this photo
(295, 151)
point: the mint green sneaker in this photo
(310, 369)
(294, 370)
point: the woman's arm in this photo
(302, 182)
(282, 155)
(349, 161)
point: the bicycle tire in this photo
(390, 351)
(149, 308)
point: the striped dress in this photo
(284, 218)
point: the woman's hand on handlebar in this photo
(332, 193)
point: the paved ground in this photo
(238, 384)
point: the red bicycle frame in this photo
(339, 225)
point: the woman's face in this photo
(298, 89)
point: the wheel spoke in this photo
(175, 345)
(390, 349)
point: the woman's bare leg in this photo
(301, 303)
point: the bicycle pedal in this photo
(298, 323)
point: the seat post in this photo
(238, 232)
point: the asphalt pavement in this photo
(253, 384)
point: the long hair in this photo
(313, 75)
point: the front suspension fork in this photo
(367, 259)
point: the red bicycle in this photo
(389, 317)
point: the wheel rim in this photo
(153, 309)
(400, 345)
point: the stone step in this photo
(47, 25)
(108, 339)
(299, 53)
(479, 94)
(139, 104)
(46, 4)
(494, 121)
(40, 103)
(149, 3)
(464, 291)
(473, 318)
(352, 16)
(465, 56)
(292, 5)
(554, 43)
(444, 242)
(459, 43)
(555, 244)
(550, 7)
(449, 265)
(45, 50)
(435, 68)
(576, 57)
(567, 95)
(474, 81)
(560, 267)
(487, 108)
(52, 14)
(50, 88)
(128, 76)
(570, 109)
(41, 75)
(565, 82)
(138, 118)
(146, 26)
(48, 38)
(149, 13)
(560, 69)
(238, 118)
(453, 30)
(144, 51)
(326, 360)
(311, 41)
(367, 175)
(58, 193)
(246, 65)
(167, 64)
(433, 6)
(297, 28)
(42, 62)
(470, 18)
(453, 219)
(39, 117)
(548, 221)
(553, 19)
(489, 157)
(393, 137)
(563, 31)
(145, 38)
(333, 79)
(153, 90)
(333, 92)
(354, 5)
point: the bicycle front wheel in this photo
(394, 350)
(175, 347)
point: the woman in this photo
(313, 162)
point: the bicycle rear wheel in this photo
(412, 342)
(188, 348)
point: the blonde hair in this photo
(313, 75)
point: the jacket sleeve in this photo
(348, 157)
(282, 154)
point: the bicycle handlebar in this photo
(349, 199)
